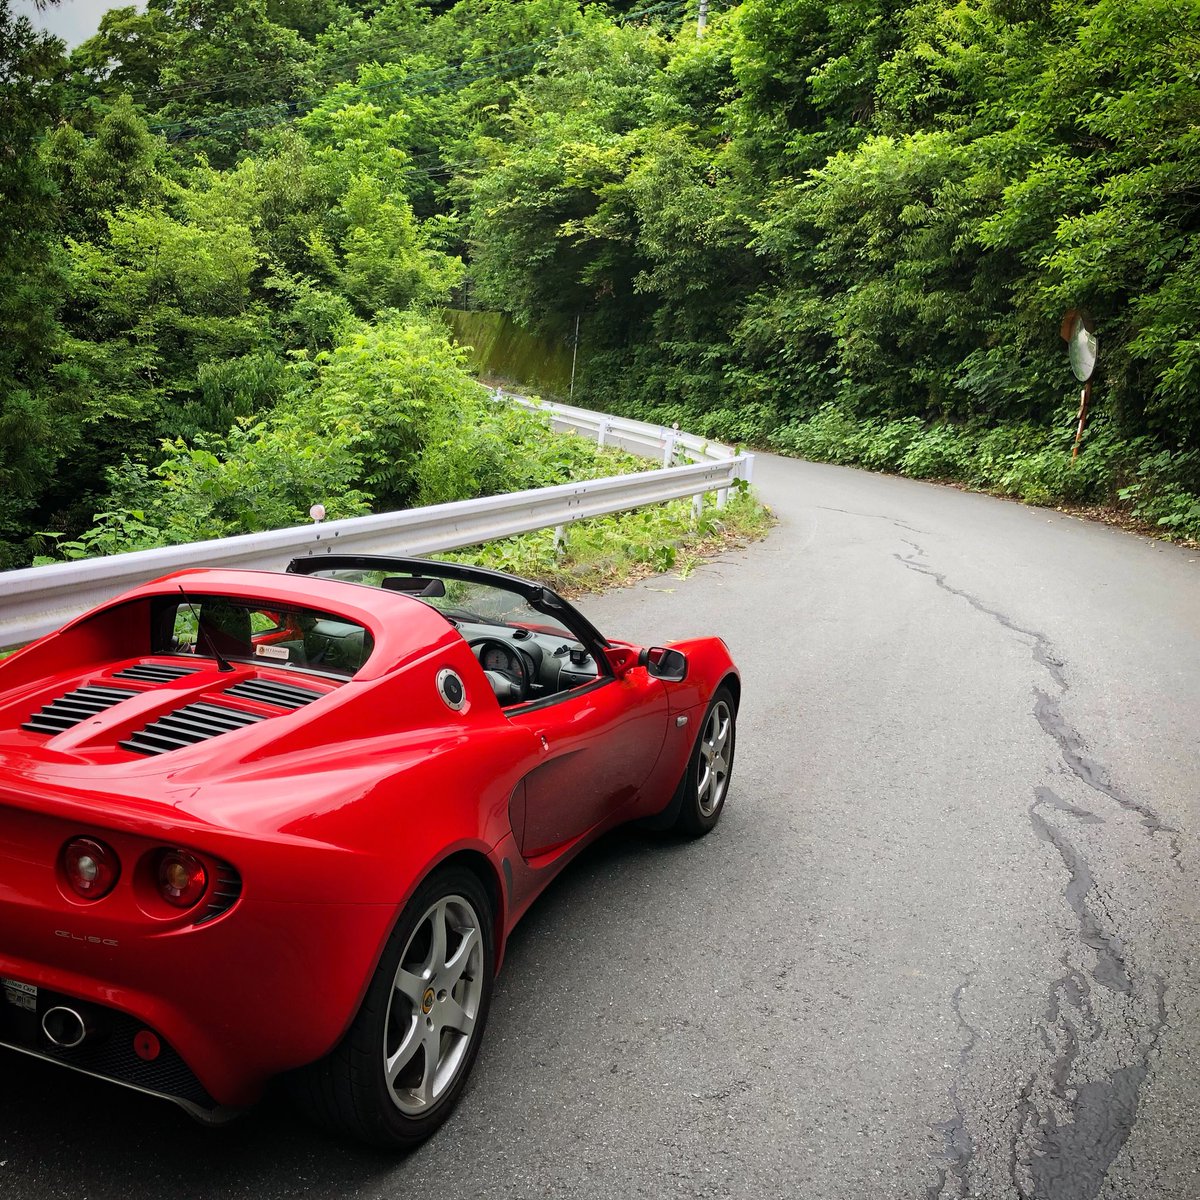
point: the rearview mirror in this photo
(662, 663)
(414, 585)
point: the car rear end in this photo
(157, 959)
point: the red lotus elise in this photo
(256, 823)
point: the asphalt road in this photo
(944, 942)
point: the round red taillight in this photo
(91, 868)
(181, 878)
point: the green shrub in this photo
(1024, 460)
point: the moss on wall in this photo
(501, 350)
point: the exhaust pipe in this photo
(66, 1028)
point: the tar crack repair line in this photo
(1110, 970)
(1068, 1159)
(958, 1146)
(1048, 712)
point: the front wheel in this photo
(399, 1070)
(705, 782)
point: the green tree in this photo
(36, 429)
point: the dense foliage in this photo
(846, 228)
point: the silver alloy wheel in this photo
(712, 768)
(433, 1007)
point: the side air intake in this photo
(188, 725)
(76, 707)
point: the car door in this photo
(598, 743)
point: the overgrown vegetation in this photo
(842, 227)
(604, 551)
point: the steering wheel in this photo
(515, 673)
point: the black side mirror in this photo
(671, 665)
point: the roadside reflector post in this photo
(1084, 399)
(1078, 330)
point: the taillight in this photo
(91, 868)
(181, 878)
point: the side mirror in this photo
(662, 663)
(622, 659)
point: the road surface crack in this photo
(1074, 1132)
(958, 1147)
(1048, 712)
(1068, 1131)
(1110, 970)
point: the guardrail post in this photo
(697, 506)
(602, 433)
(722, 497)
(669, 447)
(560, 540)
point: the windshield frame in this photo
(539, 597)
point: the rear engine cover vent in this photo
(76, 707)
(267, 691)
(188, 725)
(225, 893)
(154, 672)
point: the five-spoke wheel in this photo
(397, 1073)
(436, 997)
(705, 782)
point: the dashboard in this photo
(525, 665)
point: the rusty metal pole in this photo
(1084, 397)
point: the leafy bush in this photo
(491, 448)
(385, 419)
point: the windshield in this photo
(472, 602)
(261, 631)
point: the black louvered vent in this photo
(225, 892)
(154, 673)
(267, 691)
(188, 725)
(76, 707)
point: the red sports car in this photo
(256, 823)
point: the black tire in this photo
(349, 1090)
(705, 783)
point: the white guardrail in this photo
(36, 600)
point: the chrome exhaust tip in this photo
(66, 1028)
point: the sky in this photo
(73, 20)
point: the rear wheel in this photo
(398, 1072)
(705, 782)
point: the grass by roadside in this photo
(1131, 482)
(617, 550)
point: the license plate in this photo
(22, 995)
